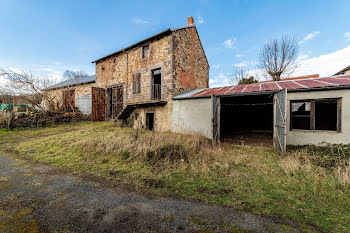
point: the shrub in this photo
(168, 152)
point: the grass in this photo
(307, 184)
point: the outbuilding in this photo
(308, 110)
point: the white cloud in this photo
(303, 56)
(200, 20)
(212, 81)
(220, 80)
(245, 64)
(139, 21)
(241, 64)
(217, 66)
(238, 55)
(309, 37)
(230, 43)
(347, 36)
(326, 64)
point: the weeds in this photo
(309, 184)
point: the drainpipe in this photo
(126, 80)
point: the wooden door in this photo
(98, 104)
(68, 100)
(215, 120)
(280, 120)
(117, 101)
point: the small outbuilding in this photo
(308, 110)
(73, 93)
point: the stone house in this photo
(141, 79)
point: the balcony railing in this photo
(156, 91)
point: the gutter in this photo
(268, 92)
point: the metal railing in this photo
(156, 91)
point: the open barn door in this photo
(280, 120)
(98, 104)
(215, 120)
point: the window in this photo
(145, 52)
(319, 114)
(136, 83)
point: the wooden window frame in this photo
(142, 53)
(312, 113)
(136, 90)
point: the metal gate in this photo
(98, 104)
(280, 120)
(215, 120)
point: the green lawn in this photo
(258, 180)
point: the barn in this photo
(73, 93)
(307, 110)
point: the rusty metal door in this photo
(98, 104)
(117, 101)
(215, 120)
(280, 120)
(68, 100)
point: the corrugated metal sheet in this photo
(74, 82)
(290, 84)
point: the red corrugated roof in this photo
(298, 77)
(294, 83)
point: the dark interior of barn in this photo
(247, 120)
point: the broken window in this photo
(319, 114)
(145, 52)
(136, 86)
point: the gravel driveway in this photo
(37, 198)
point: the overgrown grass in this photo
(296, 185)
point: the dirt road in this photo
(36, 198)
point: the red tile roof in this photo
(291, 84)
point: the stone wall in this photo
(162, 117)
(191, 69)
(113, 70)
(183, 64)
(57, 97)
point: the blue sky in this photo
(52, 36)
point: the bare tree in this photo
(241, 76)
(30, 86)
(278, 57)
(70, 74)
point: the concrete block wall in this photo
(317, 137)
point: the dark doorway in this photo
(247, 120)
(156, 84)
(150, 121)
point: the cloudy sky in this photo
(52, 36)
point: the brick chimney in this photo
(190, 21)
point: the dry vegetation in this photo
(309, 184)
